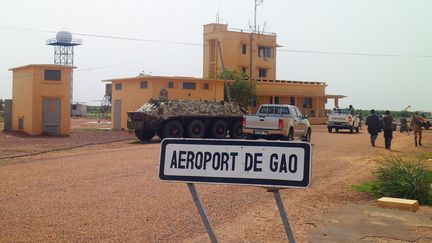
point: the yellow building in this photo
(255, 55)
(41, 96)
(128, 94)
(236, 50)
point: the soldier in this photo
(373, 123)
(388, 129)
(416, 126)
(351, 110)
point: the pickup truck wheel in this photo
(218, 129)
(144, 135)
(329, 129)
(172, 129)
(290, 136)
(195, 129)
(307, 137)
(235, 130)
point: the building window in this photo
(276, 99)
(118, 86)
(212, 45)
(307, 102)
(206, 86)
(143, 84)
(170, 85)
(265, 52)
(244, 50)
(292, 101)
(263, 73)
(271, 99)
(189, 85)
(52, 75)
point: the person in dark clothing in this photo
(373, 123)
(388, 129)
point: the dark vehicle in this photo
(187, 118)
(404, 126)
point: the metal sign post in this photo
(202, 212)
(283, 215)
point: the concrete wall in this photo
(132, 96)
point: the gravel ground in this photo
(84, 132)
(111, 192)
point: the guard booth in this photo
(41, 95)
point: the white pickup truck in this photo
(342, 119)
(274, 121)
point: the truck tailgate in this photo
(261, 122)
(337, 118)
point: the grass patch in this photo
(404, 178)
(425, 156)
(364, 187)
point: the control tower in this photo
(63, 47)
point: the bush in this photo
(410, 179)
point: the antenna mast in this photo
(257, 3)
(254, 29)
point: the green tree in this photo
(1, 104)
(242, 90)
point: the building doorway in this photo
(117, 115)
(51, 116)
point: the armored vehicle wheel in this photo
(235, 130)
(144, 135)
(218, 129)
(195, 129)
(307, 137)
(172, 129)
(329, 129)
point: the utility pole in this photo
(254, 29)
(224, 73)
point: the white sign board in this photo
(264, 163)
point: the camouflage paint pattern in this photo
(153, 113)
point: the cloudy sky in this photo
(376, 52)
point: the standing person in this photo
(388, 129)
(360, 116)
(416, 126)
(351, 110)
(373, 123)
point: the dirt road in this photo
(112, 192)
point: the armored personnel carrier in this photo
(184, 118)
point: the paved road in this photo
(112, 193)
